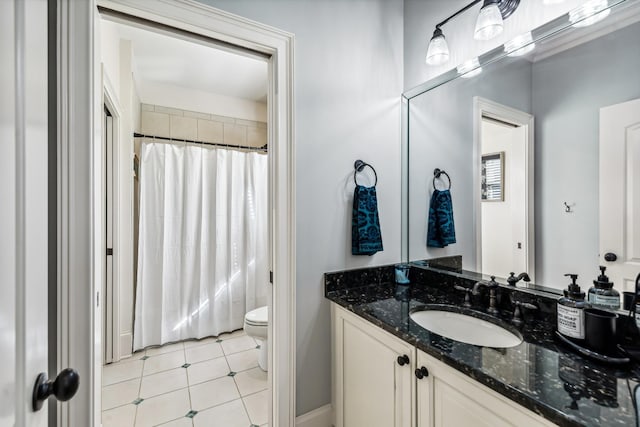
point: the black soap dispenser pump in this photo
(602, 294)
(570, 310)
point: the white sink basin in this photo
(467, 329)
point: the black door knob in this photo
(422, 372)
(610, 257)
(63, 388)
(403, 360)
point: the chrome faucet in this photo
(513, 279)
(493, 288)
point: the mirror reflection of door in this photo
(620, 192)
(504, 218)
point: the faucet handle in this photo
(492, 283)
(517, 314)
(467, 298)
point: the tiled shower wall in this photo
(181, 124)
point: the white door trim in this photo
(485, 107)
(82, 208)
(79, 146)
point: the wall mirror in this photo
(542, 145)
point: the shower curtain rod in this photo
(164, 138)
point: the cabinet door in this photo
(424, 391)
(453, 408)
(372, 388)
(453, 400)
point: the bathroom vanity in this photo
(534, 148)
(390, 371)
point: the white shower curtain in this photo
(203, 250)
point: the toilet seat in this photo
(257, 317)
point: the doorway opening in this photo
(504, 189)
(81, 221)
(187, 230)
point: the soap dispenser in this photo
(602, 294)
(571, 310)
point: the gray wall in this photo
(441, 136)
(568, 91)
(348, 81)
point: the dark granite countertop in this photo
(540, 374)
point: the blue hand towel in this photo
(441, 231)
(365, 224)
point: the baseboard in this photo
(320, 417)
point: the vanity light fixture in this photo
(470, 68)
(438, 51)
(489, 24)
(589, 13)
(519, 46)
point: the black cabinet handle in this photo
(63, 388)
(610, 257)
(403, 360)
(422, 372)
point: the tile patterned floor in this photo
(215, 382)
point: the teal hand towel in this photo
(441, 230)
(366, 238)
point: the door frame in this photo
(81, 205)
(109, 301)
(483, 107)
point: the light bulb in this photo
(469, 68)
(589, 13)
(520, 45)
(489, 23)
(438, 51)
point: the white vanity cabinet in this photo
(370, 387)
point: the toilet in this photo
(255, 325)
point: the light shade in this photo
(469, 68)
(589, 13)
(520, 45)
(489, 23)
(438, 51)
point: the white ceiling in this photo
(172, 61)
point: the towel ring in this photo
(436, 175)
(359, 165)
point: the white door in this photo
(23, 216)
(620, 192)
